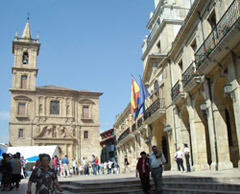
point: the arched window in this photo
(25, 58)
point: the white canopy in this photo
(31, 151)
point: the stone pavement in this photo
(234, 173)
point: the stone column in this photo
(222, 138)
(236, 109)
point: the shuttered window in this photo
(20, 132)
(24, 82)
(85, 112)
(21, 108)
(54, 107)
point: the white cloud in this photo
(4, 115)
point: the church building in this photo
(50, 115)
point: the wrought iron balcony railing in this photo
(189, 74)
(222, 28)
(176, 90)
(134, 127)
(140, 122)
(156, 105)
(124, 134)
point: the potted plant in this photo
(207, 50)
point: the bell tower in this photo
(24, 70)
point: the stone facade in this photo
(190, 59)
(50, 115)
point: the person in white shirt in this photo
(179, 159)
(187, 156)
(157, 160)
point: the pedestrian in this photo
(6, 171)
(187, 156)
(115, 167)
(55, 164)
(157, 160)
(93, 165)
(65, 163)
(143, 169)
(101, 166)
(81, 171)
(179, 159)
(44, 177)
(97, 165)
(110, 166)
(85, 166)
(16, 169)
(23, 165)
(74, 166)
(126, 164)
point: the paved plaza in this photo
(234, 173)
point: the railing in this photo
(139, 122)
(176, 90)
(218, 33)
(124, 134)
(134, 127)
(189, 74)
(156, 105)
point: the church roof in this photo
(53, 87)
(27, 32)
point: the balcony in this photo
(124, 134)
(177, 92)
(190, 78)
(155, 111)
(225, 34)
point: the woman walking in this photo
(179, 159)
(45, 178)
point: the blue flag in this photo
(144, 94)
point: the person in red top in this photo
(55, 163)
(142, 169)
(97, 165)
(38, 161)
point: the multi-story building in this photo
(50, 115)
(108, 143)
(191, 67)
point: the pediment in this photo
(22, 98)
(86, 101)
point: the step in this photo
(202, 185)
(196, 191)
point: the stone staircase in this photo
(174, 185)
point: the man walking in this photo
(157, 160)
(126, 163)
(65, 163)
(187, 156)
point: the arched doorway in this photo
(225, 125)
(185, 131)
(201, 125)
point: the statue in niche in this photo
(73, 130)
(62, 132)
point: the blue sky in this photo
(85, 44)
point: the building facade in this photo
(50, 115)
(191, 68)
(108, 144)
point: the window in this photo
(212, 20)
(21, 108)
(25, 58)
(40, 108)
(68, 110)
(20, 133)
(23, 81)
(54, 107)
(194, 45)
(85, 112)
(85, 134)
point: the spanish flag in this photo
(135, 95)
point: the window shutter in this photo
(21, 109)
(85, 112)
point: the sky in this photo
(85, 44)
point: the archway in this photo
(225, 126)
(202, 129)
(185, 131)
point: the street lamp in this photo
(228, 88)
